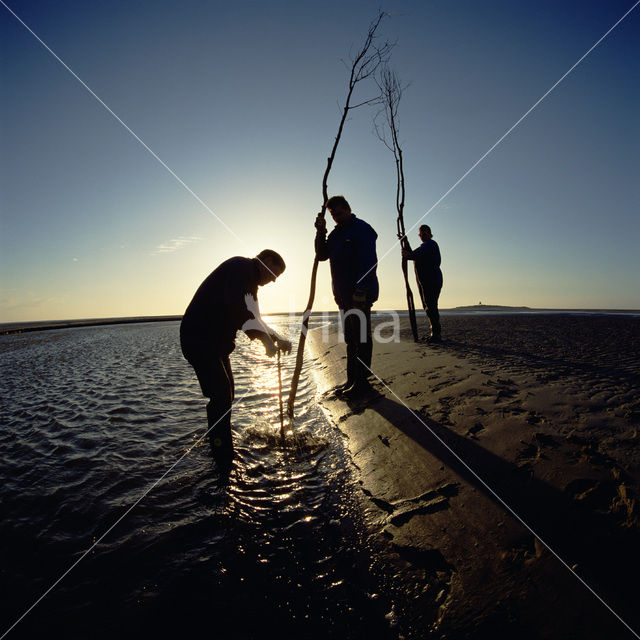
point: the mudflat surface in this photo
(500, 472)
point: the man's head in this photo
(339, 209)
(425, 232)
(270, 265)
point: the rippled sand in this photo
(482, 457)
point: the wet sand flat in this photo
(499, 472)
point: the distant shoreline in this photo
(25, 327)
(8, 328)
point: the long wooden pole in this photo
(280, 395)
(400, 193)
(391, 92)
(364, 65)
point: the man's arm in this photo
(241, 309)
(256, 327)
(322, 249)
(367, 262)
(437, 260)
(406, 247)
(237, 282)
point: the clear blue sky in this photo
(242, 100)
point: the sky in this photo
(240, 103)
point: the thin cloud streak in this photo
(176, 244)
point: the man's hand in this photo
(269, 346)
(360, 299)
(321, 224)
(284, 345)
(404, 244)
(405, 253)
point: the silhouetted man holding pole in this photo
(428, 275)
(226, 301)
(351, 251)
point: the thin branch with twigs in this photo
(390, 94)
(364, 65)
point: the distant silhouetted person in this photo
(428, 276)
(351, 250)
(226, 301)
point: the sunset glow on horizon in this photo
(240, 105)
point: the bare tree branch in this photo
(364, 65)
(390, 94)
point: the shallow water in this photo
(104, 426)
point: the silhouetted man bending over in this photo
(351, 250)
(226, 301)
(428, 276)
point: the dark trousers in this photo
(356, 324)
(216, 381)
(429, 295)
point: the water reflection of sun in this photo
(257, 376)
(264, 377)
(262, 370)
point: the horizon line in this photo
(13, 327)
